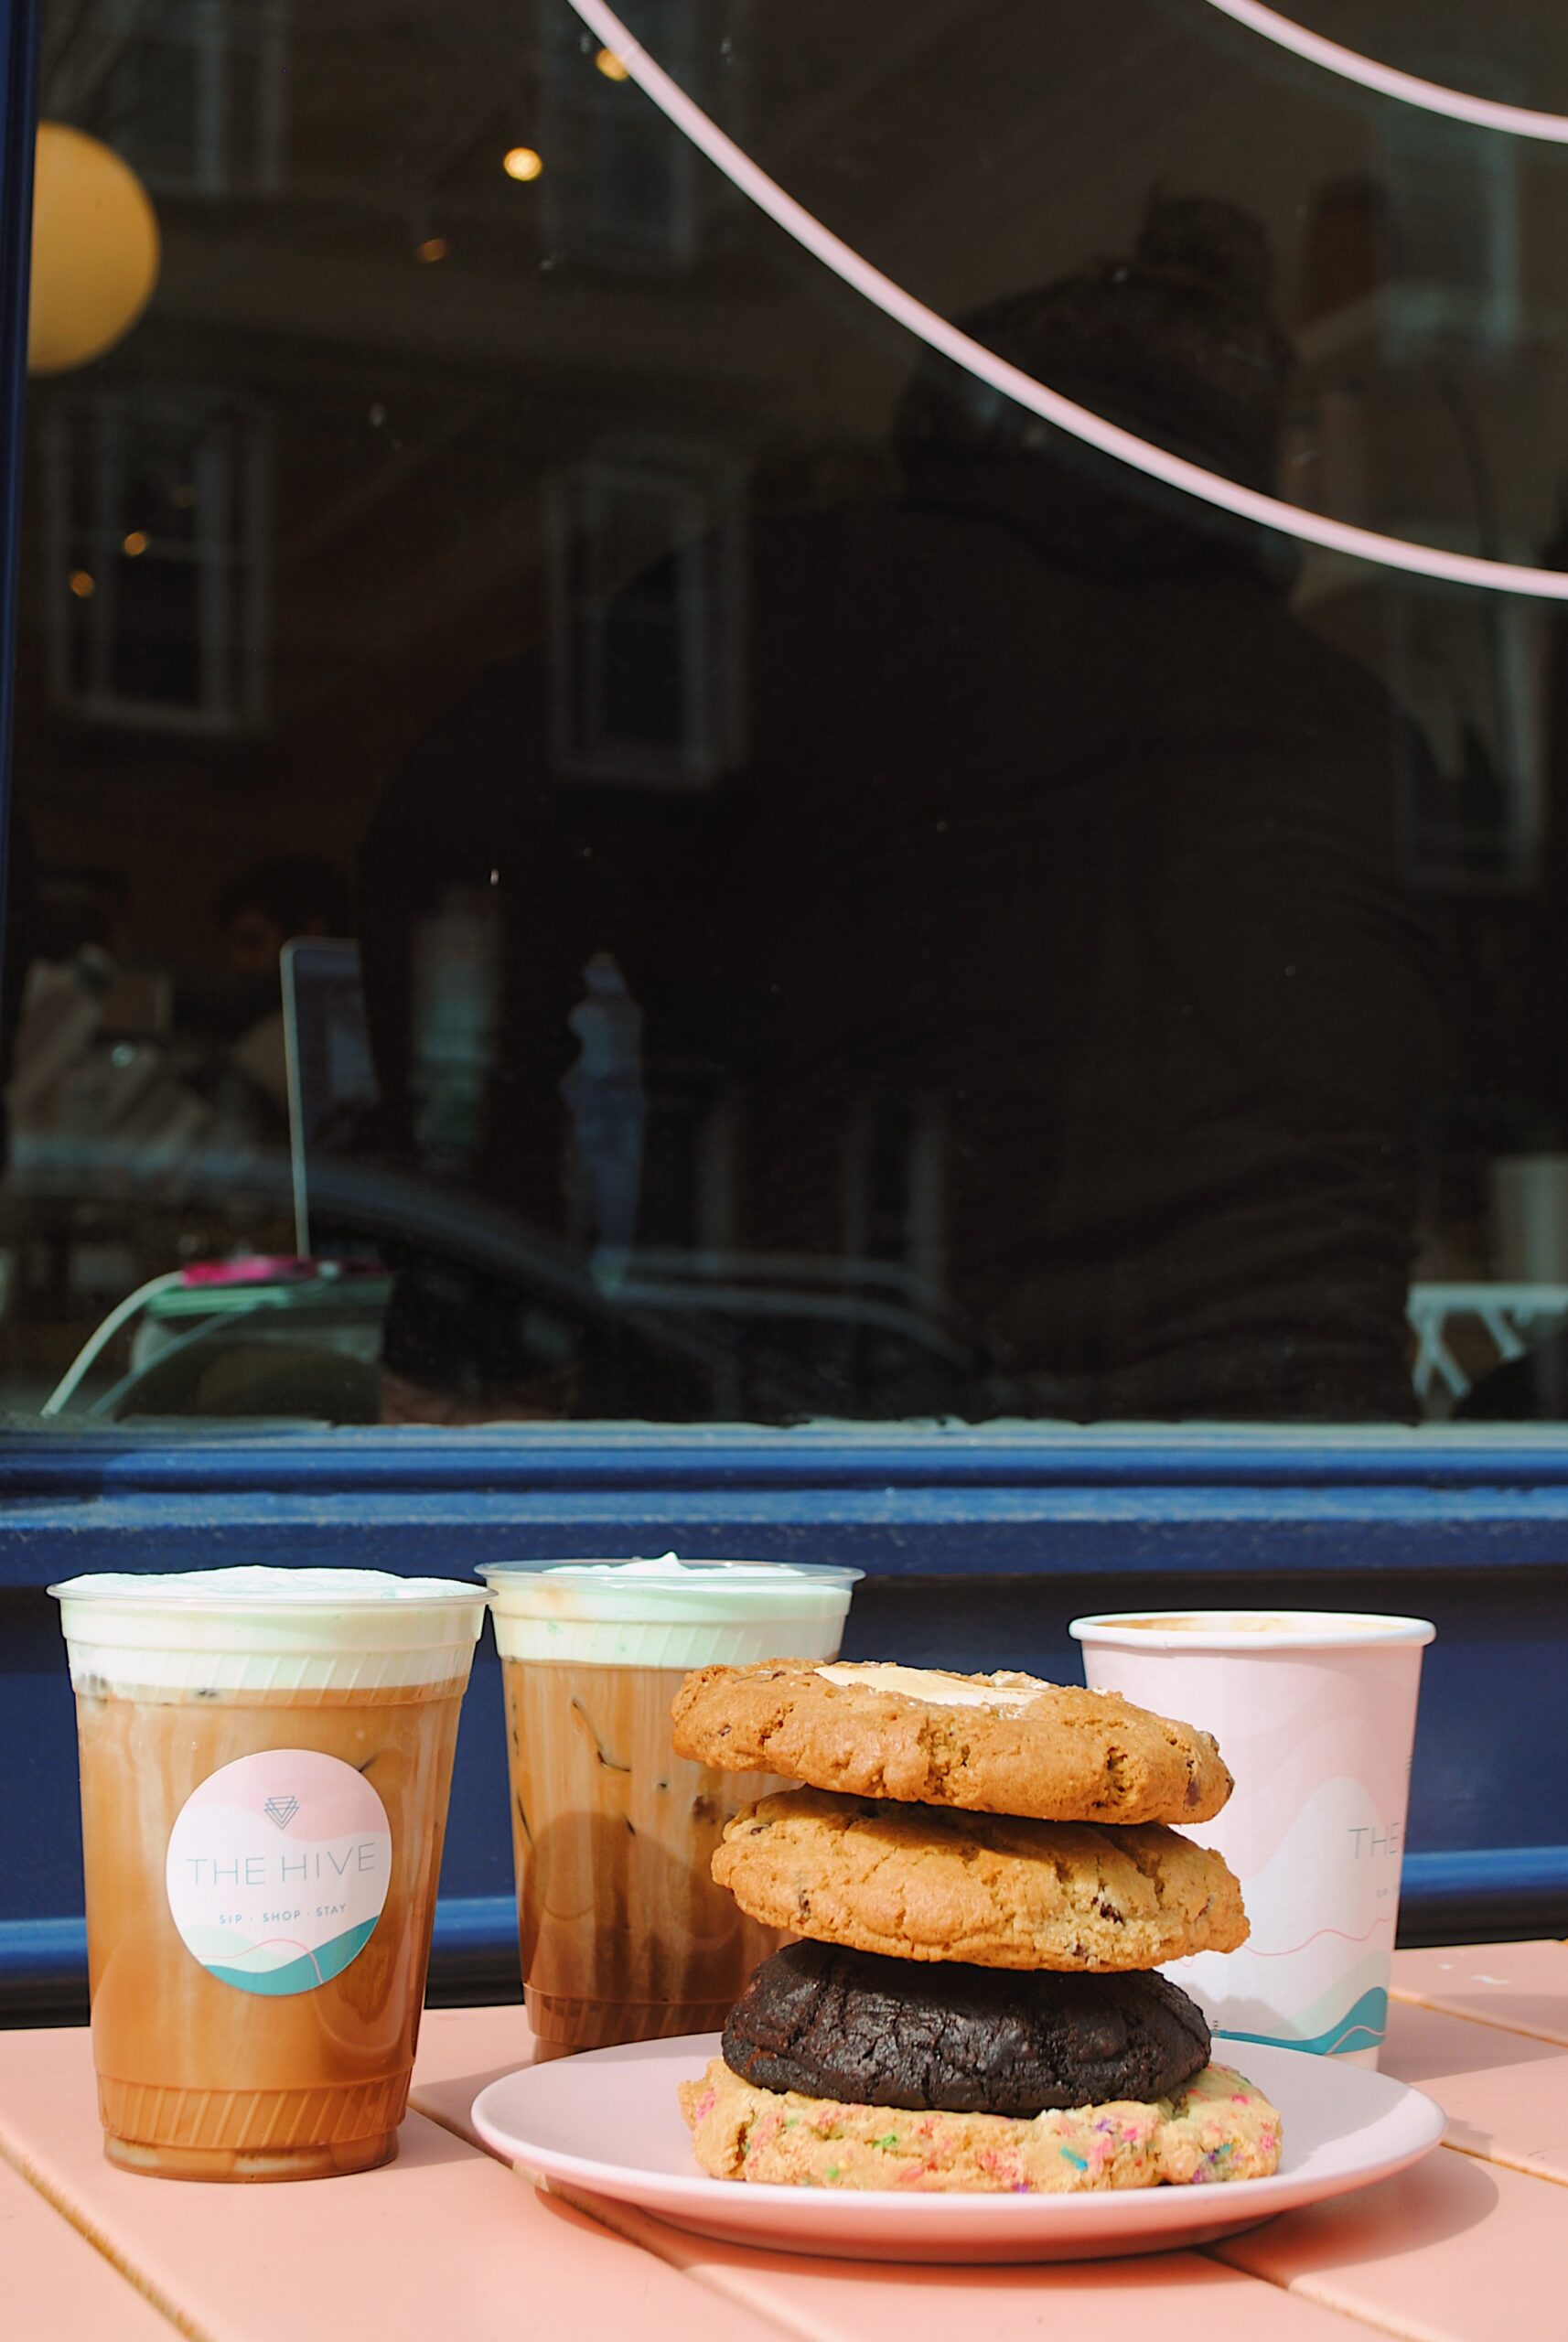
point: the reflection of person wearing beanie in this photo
(1176, 344)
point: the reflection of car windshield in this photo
(673, 1338)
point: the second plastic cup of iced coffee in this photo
(624, 1936)
(265, 1761)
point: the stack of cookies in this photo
(984, 1874)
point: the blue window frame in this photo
(978, 1543)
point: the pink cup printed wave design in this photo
(1288, 1951)
(1251, 1834)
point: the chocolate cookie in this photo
(928, 1883)
(990, 1744)
(873, 2032)
(1220, 2127)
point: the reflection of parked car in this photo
(670, 1338)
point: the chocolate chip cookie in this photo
(923, 1883)
(989, 1743)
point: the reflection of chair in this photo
(1492, 1325)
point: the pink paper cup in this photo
(1315, 1714)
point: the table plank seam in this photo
(626, 2221)
(601, 2212)
(1505, 2163)
(1296, 2290)
(1309, 2286)
(92, 2234)
(1305, 2289)
(1473, 2016)
(1413, 1998)
(453, 2126)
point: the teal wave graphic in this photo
(1362, 2026)
(301, 1975)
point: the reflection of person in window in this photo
(1077, 832)
(1061, 841)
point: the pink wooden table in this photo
(1472, 2246)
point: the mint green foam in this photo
(668, 1613)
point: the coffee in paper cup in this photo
(1315, 1714)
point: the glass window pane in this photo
(609, 823)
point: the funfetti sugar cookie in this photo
(1219, 2127)
(992, 1744)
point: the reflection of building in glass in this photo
(191, 92)
(158, 530)
(647, 615)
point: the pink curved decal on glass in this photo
(951, 341)
(1388, 82)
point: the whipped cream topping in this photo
(664, 1565)
(933, 1686)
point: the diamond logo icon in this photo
(281, 1809)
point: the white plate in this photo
(607, 2122)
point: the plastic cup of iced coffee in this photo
(1315, 1714)
(623, 1934)
(266, 1756)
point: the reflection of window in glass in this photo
(1453, 232)
(157, 532)
(646, 610)
(190, 91)
(1421, 253)
(622, 189)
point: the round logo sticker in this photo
(278, 1867)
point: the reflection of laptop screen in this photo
(331, 1081)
